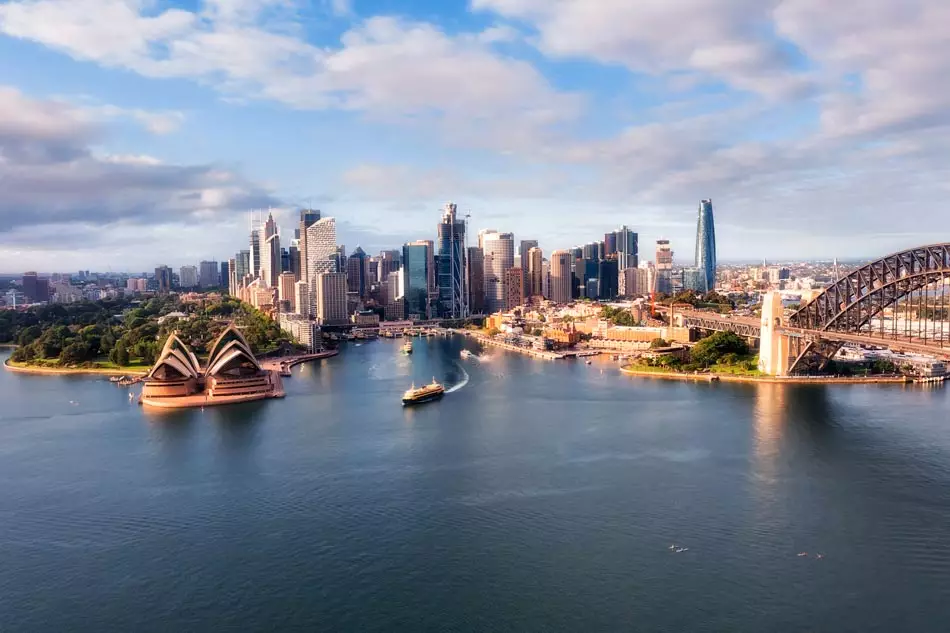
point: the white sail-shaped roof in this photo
(176, 356)
(230, 346)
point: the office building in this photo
(453, 295)
(270, 253)
(610, 244)
(499, 250)
(254, 263)
(285, 290)
(331, 298)
(524, 248)
(208, 274)
(357, 268)
(607, 279)
(242, 262)
(561, 276)
(35, 288)
(163, 279)
(534, 276)
(416, 258)
(706, 245)
(476, 280)
(694, 279)
(232, 284)
(664, 267)
(394, 307)
(634, 282)
(302, 298)
(321, 253)
(546, 279)
(224, 275)
(293, 260)
(514, 296)
(188, 276)
(308, 217)
(627, 245)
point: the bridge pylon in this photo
(774, 345)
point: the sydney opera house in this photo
(231, 375)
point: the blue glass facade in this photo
(706, 245)
(415, 262)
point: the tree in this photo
(74, 353)
(658, 343)
(120, 355)
(537, 331)
(712, 349)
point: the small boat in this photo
(467, 354)
(116, 378)
(430, 392)
(407, 348)
(588, 362)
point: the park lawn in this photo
(735, 370)
(137, 366)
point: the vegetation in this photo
(658, 343)
(618, 316)
(720, 353)
(123, 334)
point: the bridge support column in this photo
(774, 347)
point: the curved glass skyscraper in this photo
(706, 244)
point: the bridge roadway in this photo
(751, 328)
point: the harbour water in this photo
(535, 496)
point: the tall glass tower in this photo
(706, 245)
(453, 300)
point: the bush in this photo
(658, 343)
(712, 349)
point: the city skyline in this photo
(534, 122)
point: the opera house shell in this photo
(231, 375)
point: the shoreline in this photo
(787, 380)
(75, 371)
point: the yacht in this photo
(407, 348)
(430, 392)
(467, 354)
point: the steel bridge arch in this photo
(851, 302)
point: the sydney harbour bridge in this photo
(899, 301)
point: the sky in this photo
(135, 133)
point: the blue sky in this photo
(140, 132)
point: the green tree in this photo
(712, 349)
(75, 353)
(658, 343)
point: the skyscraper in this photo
(286, 290)
(356, 273)
(416, 258)
(535, 260)
(476, 280)
(453, 301)
(302, 298)
(664, 267)
(163, 279)
(35, 289)
(188, 276)
(242, 261)
(330, 298)
(607, 279)
(499, 251)
(232, 284)
(270, 253)
(706, 245)
(224, 276)
(628, 255)
(208, 274)
(255, 252)
(514, 296)
(561, 276)
(321, 254)
(308, 217)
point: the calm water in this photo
(537, 496)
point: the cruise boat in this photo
(430, 392)
(407, 348)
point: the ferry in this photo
(427, 393)
(407, 348)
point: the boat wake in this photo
(464, 381)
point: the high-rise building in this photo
(706, 245)
(499, 249)
(476, 280)
(293, 259)
(416, 258)
(188, 276)
(453, 295)
(389, 261)
(270, 253)
(308, 217)
(254, 253)
(208, 274)
(302, 298)
(232, 284)
(561, 276)
(694, 279)
(514, 296)
(242, 261)
(321, 253)
(394, 306)
(534, 276)
(163, 279)
(35, 288)
(357, 267)
(634, 282)
(331, 298)
(610, 244)
(607, 279)
(285, 290)
(524, 248)
(664, 267)
(546, 279)
(225, 275)
(591, 251)
(628, 249)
